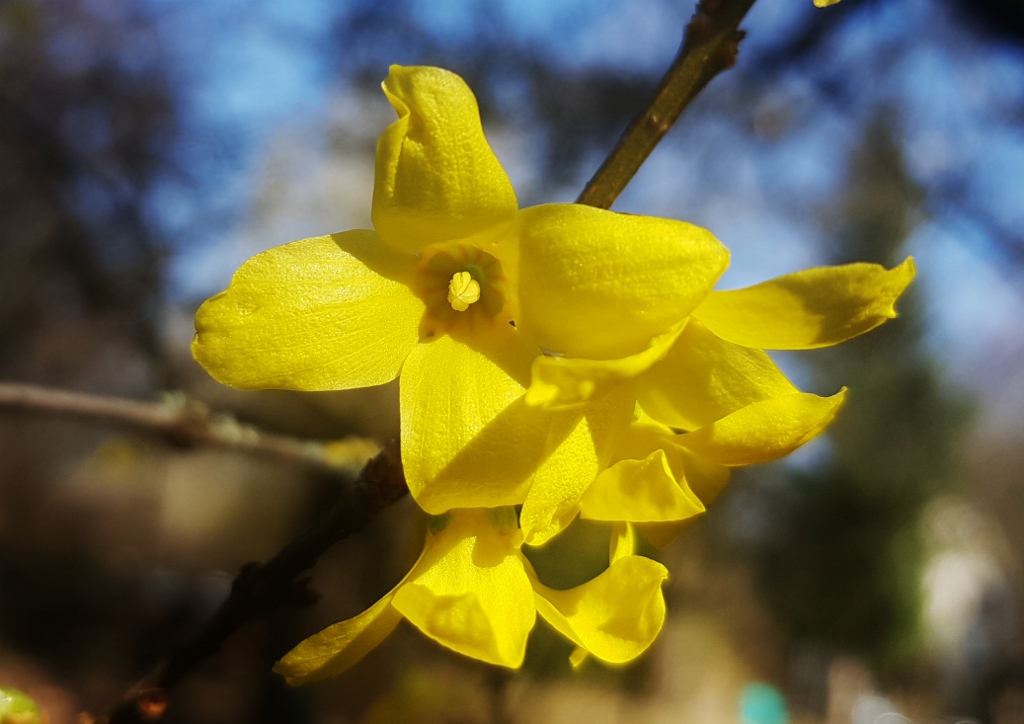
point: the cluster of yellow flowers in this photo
(555, 361)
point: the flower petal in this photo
(812, 308)
(474, 596)
(437, 179)
(622, 542)
(326, 313)
(600, 285)
(705, 479)
(703, 378)
(640, 491)
(763, 430)
(563, 478)
(566, 381)
(615, 616)
(469, 440)
(338, 647)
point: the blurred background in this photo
(148, 147)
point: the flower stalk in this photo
(710, 45)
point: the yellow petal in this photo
(468, 438)
(474, 596)
(324, 313)
(560, 481)
(564, 476)
(615, 616)
(824, 3)
(703, 378)
(812, 308)
(437, 178)
(338, 647)
(705, 479)
(640, 491)
(763, 430)
(622, 542)
(566, 381)
(600, 285)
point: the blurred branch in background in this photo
(186, 422)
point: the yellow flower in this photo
(708, 397)
(459, 290)
(473, 591)
(824, 3)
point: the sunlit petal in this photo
(468, 437)
(763, 430)
(324, 313)
(562, 479)
(622, 542)
(566, 381)
(813, 308)
(338, 647)
(600, 285)
(437, 178)
(474, 596)
(640, 491)
(615, 616)
(703, 378)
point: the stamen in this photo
(463, 290)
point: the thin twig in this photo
(259, 588)
(710, 44)
(186, 422)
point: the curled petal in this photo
(437, 178)
(763, 430)
(338, 647)
(472, 595)
(326, 313)
(705, 479)
(809, 309)
(703, 378)
(615, 616)
(640, 491)
(600, 285)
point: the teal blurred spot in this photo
(762, 704)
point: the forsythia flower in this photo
(473, 591)
(459, 290)
(711, 399)
(567, 359)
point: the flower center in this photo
(463, 290)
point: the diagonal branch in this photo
(261, 587)
(710, 45)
